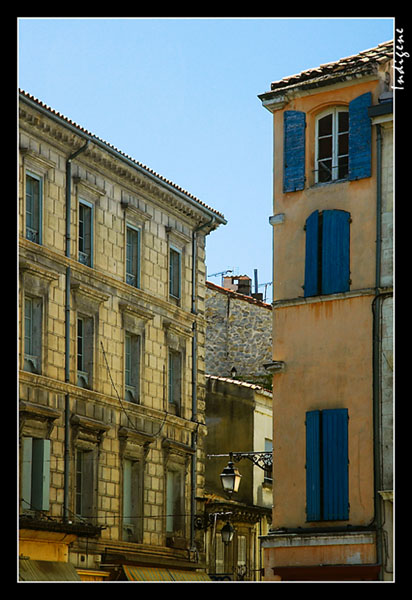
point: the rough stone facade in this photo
(238, 334)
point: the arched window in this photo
(332, 145)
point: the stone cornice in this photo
(65, 135)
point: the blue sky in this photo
(180, 96)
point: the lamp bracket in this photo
(264, 460)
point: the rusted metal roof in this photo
(82, 130)
(362, 63)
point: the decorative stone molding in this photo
(37, 418)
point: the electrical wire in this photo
(154, 435)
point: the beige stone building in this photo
(111, 358)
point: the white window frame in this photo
(334, 111)
(137, 230)
(89, 205)
(172, 291)
(39, 211)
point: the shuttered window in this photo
(86, 233)
(35, 474)
(343, 144)
(327, 260)
(327, 492)
(132, 256)
(132, 367)
(34, 194)
(175, 379)
(175, 273)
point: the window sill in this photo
(321, 184)
(323, 298)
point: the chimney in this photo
(243, 285)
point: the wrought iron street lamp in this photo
(230, 476)
(227, 532)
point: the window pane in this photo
(132, 257)
(343, 121)
(174, 273)
(325, 170)
(325, 147)
(343, 144)
(325, 126)
(28, 308)
(80, 345)
(343, 167)
(85, 234)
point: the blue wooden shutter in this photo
(360, 137)
(313, 466)
(312, 258)
(294, 123)
(335, 251)
(335, 464)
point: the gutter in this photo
(67, 335)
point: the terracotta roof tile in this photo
(351, 64)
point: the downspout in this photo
(194, 384)
(376, 311)
(67, 335)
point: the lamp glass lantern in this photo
(227, 532)
(230, 478)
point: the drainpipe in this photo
(376, 310)
(194, 385)
(67, 335)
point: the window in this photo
(175, 267)
(132, 367)
(84, 351)
(35, 474)
(175, 503)
(342, 147)
(175, 379)
(327, 267)
(131, 500)
(332, 146)
(132, 256)
(241, 556)
(268, 471)
(84, 486)
(327, 465)
(34, 193)
(86, 233)
(32, 334)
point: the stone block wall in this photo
(238, 334)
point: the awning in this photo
(46, 570)
(162, 574)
